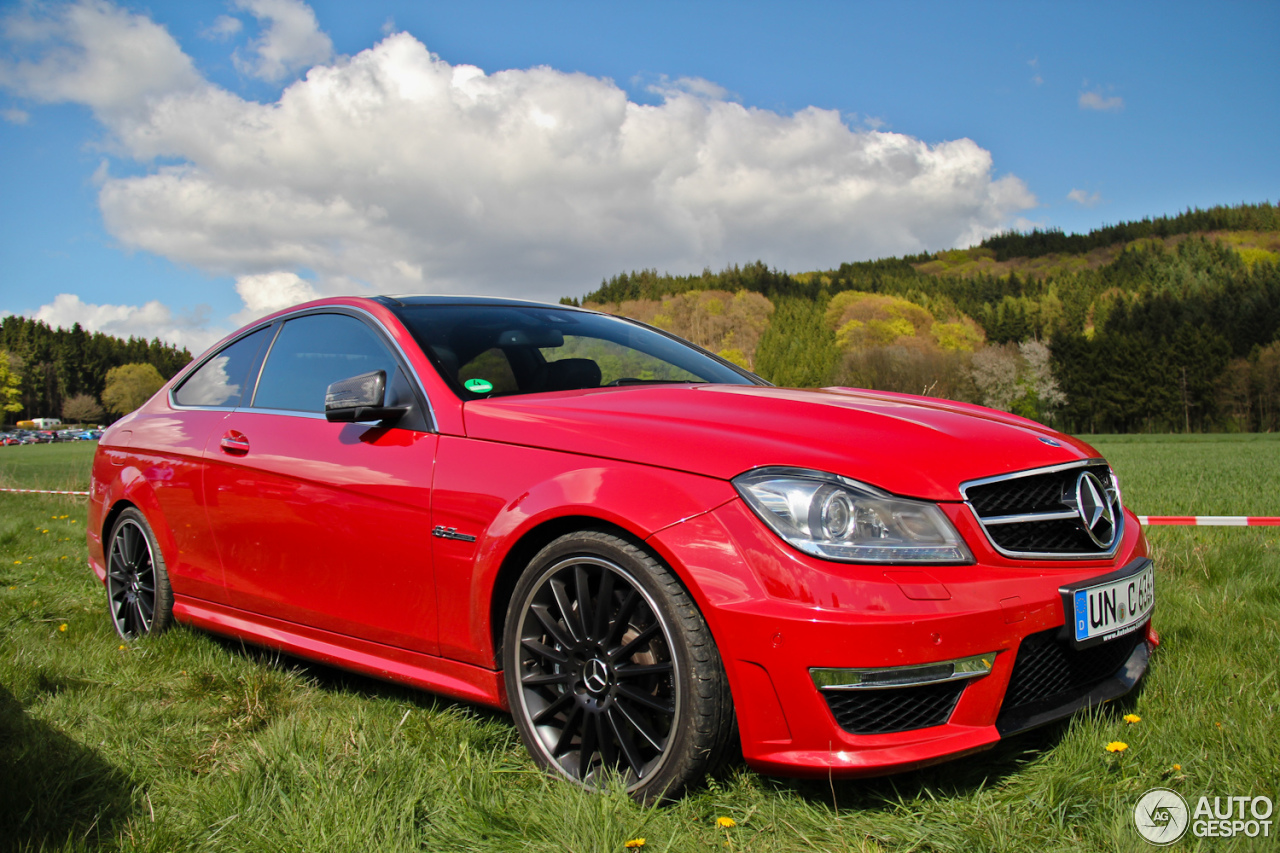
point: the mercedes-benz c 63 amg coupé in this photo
(640, 550)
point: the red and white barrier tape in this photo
(1212, 520)
(41, 492)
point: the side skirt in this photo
(435, 674)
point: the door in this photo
(319, 523)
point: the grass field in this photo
(186, 742)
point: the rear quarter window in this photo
(224, 379)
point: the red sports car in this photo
(640, 550)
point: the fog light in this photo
(880, 678)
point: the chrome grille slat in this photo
(1036, 514)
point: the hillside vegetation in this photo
(1158, 325)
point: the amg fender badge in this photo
(451, 533)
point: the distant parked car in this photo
(7, 439)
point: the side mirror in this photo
(360, 399)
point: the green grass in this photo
(187, 742)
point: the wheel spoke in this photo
(618, 626)
(553, 709)
(570, 729)
(603, 602)
(621, 732)
(140, 615)
(635, 643)
(130, 619)
(582, 585)
(551, 626)
(647, 700)
(566, 608)
(117, 553)
(635, 670)
(144, 608)
(545, 652)
(130, 537)
(638, 723)
(587, 747)
(604, 737)
(539, 678)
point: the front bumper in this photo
(776, 614)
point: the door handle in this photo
(235, 443)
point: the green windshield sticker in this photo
(479, 386)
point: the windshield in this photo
(495, 350)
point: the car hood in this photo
(911, 446)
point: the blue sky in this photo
(175, 169)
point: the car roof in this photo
(443, 299)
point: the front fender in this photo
(525, 490)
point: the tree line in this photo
(48, 369)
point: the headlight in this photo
(839, 519)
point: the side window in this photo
(223, 379)
(314, 351)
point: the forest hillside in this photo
(1166, 324)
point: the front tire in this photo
(139, 597)
(611, 672)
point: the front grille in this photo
(1036, 513)
(1049, 670)
(899, 709)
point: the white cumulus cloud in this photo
(268, 292)
(291, 40)
(1085, 199)
(393, 170)
(1096, 100)
(222, 28)
(92, 53)
(152, 320)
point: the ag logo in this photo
(1161, 816)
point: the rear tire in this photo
(611, 672)
(139, 597)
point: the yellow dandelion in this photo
(17, 562)
(1177, 767)
(634, 843)
(46, 530)
(1219, 725)
(63, 627)
(1117, 746)
(122, 647)
(1132, 718)
(726, 822)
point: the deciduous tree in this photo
(81, 409)
(129, 386)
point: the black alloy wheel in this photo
(138, 592)
(611, 672)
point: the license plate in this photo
(1102, 611)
